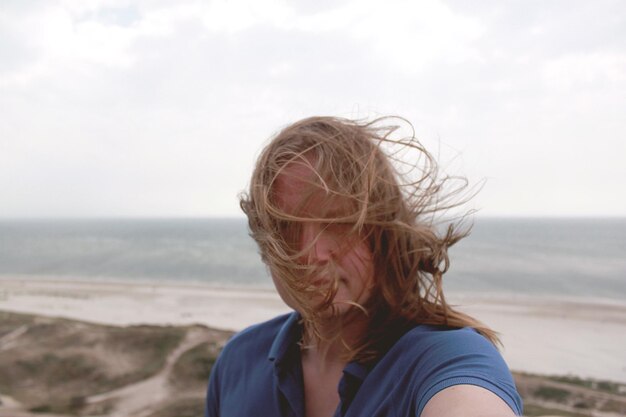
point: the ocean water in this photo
(561, 257)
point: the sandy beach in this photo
(586, 338)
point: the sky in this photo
(120, 108)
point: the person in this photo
(351, 239)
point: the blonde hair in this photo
(393, 210)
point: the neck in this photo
(331, 340)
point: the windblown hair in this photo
(388, 201)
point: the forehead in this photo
(299, 190)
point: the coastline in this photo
(541, 335)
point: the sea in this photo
(566, 257)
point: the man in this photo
(348, 236)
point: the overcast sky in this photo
(158, 108)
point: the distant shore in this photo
(541, 335)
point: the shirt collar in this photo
(357, 370)
(288, 335)
(291, 333)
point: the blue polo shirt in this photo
(259, 373)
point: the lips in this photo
(324, 282)
(319, 282)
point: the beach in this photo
(540, 335)
(145, 348)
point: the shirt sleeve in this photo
(464, 357)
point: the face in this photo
(330, 248)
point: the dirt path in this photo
(8, 340)
(142, 398)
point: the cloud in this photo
(120, 106)
(575, 71)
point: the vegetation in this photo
(189, 407)
(148, 346)
(71, 406)
(531, 410)
(552, 394)
(56, 366)
(603, 386)
(194, 367)
(55, 361)
(10, 322)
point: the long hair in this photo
(391, 194)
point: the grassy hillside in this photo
(66, 367)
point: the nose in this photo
(318, 246)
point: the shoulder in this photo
(425, 343)
(444, 357)
(439, 341)
(425, 346)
